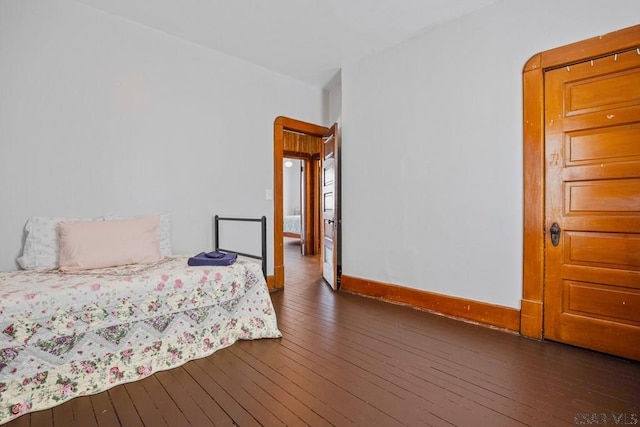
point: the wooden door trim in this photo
(280, 125)
(532, 303)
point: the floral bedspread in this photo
(70, 334)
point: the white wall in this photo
(291, 187)
(99, 115)
(333, 99)
(439, 118)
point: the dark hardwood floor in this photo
(350, 360)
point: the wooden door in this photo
(331, 224)
(592, 180)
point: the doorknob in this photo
(330, 221)
(555, 234)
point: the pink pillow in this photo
(98, 244)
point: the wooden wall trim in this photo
(301, 143)
(533, 221)
(461, 308)
(278, 208)
(531, 318)
(532, 304)
(300, 126)
(603, 45)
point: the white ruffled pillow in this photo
(41, 245)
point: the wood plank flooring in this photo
(349, 360)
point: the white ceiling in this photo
(308, 40)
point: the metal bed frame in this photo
(262, 257)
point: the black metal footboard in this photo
(262, 257)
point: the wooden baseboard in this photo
(531, 318)
(475, 311)
(278, 277)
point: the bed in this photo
(292, 225)
(73, 332)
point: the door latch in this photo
(555, 234)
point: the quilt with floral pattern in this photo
(77, 333)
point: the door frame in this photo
(280, 125)
(534, 228)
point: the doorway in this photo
(294, 139)
(582, 192)
(301, 199)
(297, 253)
(293, 208)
